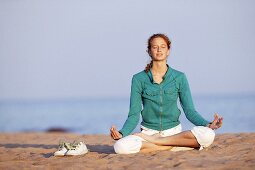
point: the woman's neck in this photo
(159, 67)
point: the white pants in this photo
(132, 144)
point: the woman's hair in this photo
(165, 38)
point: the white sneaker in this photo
(62, 149)
(77, 149)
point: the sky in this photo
(61, 49)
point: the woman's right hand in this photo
(115, 134)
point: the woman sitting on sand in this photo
(154, 94)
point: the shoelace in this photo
(68, 145)
(61, 146)
(75, 145)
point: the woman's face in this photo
(159, 50)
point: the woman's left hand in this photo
(217, 122)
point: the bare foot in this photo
(151, 147)
(149, 138)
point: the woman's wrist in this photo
(121, 135)
(209, 125)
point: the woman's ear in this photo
(168, 52)
(149, 52)
(169, 49)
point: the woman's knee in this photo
(204, 135)
(120, 147)
(128, 145)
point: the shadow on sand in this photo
(100, 149)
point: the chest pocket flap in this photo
(170, 94)
(170, 91)
(151, 92)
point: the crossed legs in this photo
(156, 142)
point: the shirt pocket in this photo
(170, 94)
(150, 94)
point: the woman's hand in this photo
(217, 122)
(115, 134)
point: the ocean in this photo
(95, 116)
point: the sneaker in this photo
(77, 149)
(62, 148)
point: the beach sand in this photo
(35, 151)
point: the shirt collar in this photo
(168, 74)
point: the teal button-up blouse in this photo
(157, 103)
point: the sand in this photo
(35, 151)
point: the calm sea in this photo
(97, 115)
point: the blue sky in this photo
(90, 49)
